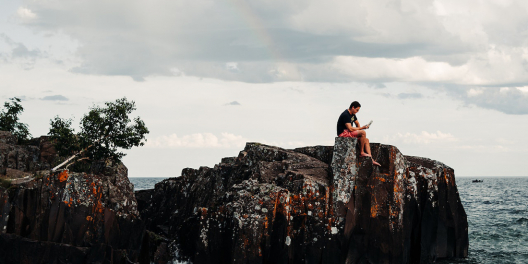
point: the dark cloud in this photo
(233, 103)
(410, 96)
(226, 45)
(54, 98)
(21, 51)
(313, 41)
(198, 57)
(508, 100)
(377, 85)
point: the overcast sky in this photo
(445, 79)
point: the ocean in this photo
(497, 210)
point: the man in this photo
(345, 129)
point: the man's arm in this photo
(357, 125)
(351, 128)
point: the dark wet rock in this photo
(309, 205)
(65, 217)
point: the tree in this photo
(9, 119)
(61, 132)
(104, 131)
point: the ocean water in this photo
(497, 210)
(143, 183)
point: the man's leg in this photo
(362, 137)
(365, 145)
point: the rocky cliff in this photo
(64, 217)
(308, 205)
(268, 205)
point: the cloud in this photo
(410, 96)
(18, 49)
(145, 38)
(420, 139)
(376, 41)
(508, 100)
(377, 85)
(198, 140)
(25, 13)
(18, 52)
(233, 103)
(54, 98)
(21, 51)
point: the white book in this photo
(370, 123)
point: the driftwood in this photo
(77, 154)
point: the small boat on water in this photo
(477, 180)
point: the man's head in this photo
(354, 107)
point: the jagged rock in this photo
(37, 155)
(310, 205)
(66, 217)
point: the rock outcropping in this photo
(64, 217)
(17, 161)
(309, 205)
(268, 205)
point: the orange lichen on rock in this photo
(99, 207)
(63, 176)
(374, 209)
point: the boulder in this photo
(309, 205)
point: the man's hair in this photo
(354, 104)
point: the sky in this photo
(447, 80)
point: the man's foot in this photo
(363, 154)
(375, 163)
